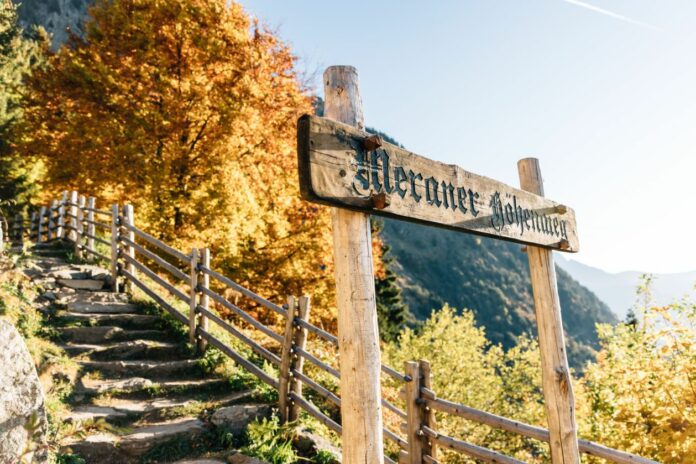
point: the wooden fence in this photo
(191, 279)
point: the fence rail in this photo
(137, 259)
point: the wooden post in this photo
(193, 298)
(556, 381)
(431, 448)
(71, 231)
(299, 341)
(129, 250)
(90, 226)
(60, 231)
(203, 283)
(114, 245)
(18, 231)
(358, 334)
(51, 226)
(40, 231)
(80, 226)
(285, 361)
(33, 227)
(415, 414)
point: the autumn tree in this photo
(20, 53)
(640, 395)
(187, 109)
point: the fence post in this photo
(90, 227)
(415, 416)
(72, 223)
(40, 231)
(297, 364)
(555, 374)
(358, 334)
(60, 231)
(114, 245)
(51, 227)
(129, 250)
(32, 227)
(18, 231)
(285, 360)
(193, 299)
(203, 284)
(431, 448)
(79, 226)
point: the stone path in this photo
(140, 395)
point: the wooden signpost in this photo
(341, 165)
(346, 167)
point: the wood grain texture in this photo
(193, 295)
(40, 233)
(285, 361)
(556, 381)
(300, 342)
(128, 218)
(90, 226)
(358, 334)
(204, 300)
(80, 225)
(337, 168)
(114, 245)
(72, 232)
(415, 414)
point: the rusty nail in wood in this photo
(564, 244)
(523, 249)
(372, 142)
(561, 209)
(380, 200)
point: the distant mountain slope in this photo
(56, 16)
(618, 290)
(490, 277)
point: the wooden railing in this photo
(138, 259)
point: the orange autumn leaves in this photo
(187, 109)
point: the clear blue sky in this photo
(605, 99)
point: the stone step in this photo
(113, 449)
(140, 387)
(201, 461)
(82, 284)
(123, 320)
(119, 409)
(105, 334)
(137, 349)
(49, 252)
(98, 307)
(80, 272)
(71, 296)
(152, 369)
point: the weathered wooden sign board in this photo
(342, 166)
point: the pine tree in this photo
(392, 313)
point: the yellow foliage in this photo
(640, 395)
(187, 109)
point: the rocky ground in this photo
(139, 393)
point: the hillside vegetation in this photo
(490, 277)
(187, 108)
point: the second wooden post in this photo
(358, 335)
(555, 374)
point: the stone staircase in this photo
(140, 395)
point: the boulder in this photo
(22, 413)
(82, 284)
(308, 444)
(239, 458)
(238, 416)
(67, 273)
